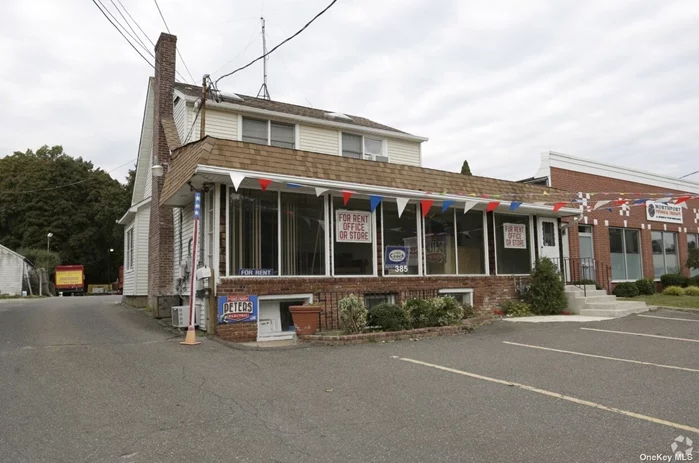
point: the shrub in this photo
(691, 291)
(469, 311)
(418, 311)
(389, 317)
(674, 279)
(445, 311)
(513, 308)
(645, 286)
(694, 281)
(673, 291)
(546, 294)
(352, 314)
(626, 289)
(693, 259)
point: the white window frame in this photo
(532, 252)
(365, 155)
(418, 243)
(269, 130)
(390, 298)
(640, 253)
(332, 243)
(129, 248)
(209, 214)
(460, 291)
(677, 251)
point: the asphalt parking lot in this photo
(93, 381)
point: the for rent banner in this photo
(352, 226)
(515, 235)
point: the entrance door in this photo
(548, 239)
(587, 252)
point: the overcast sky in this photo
(495, 82)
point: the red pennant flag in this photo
(264, 183)
(492, 206)
(346, 195)
(618, 202)
(558, 206)
(682, 199)
(426, 204)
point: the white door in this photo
(587, 256)
(549, 244)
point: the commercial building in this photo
(14, 272)
(633, 224)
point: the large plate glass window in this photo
(625, 250)
(254, 232)
(470, 242)
(353, 238)
(439, 250)
(665, 258)
(512, 244)
(303, 234)
(400, 240)
(693, 243)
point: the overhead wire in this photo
(136, 23)
(138, 38)
(177, 49)
(124, 28)
(279, 55)
(252, 39)
(280, 44)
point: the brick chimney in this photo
(161, 295)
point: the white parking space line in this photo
(671, 318)
(556, 395)
(642, 334)
(602, 357)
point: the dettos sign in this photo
(352, 226)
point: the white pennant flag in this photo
(665, 200)
(684, 205)
(468, 205)
(401, 203)
(599, 204)
(320, 191)
(237, 179)
(321, 223)
(540, 203)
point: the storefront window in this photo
(439, 251)
(693, 243)
(665, 258)
(254, 232)
(625, 250)
(303, 234)
(400, 244)
(512, 244)
(470, 243)
(353, 237)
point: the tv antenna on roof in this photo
(264, 92)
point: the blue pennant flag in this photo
(609, 209)
(446, 204)
(640, 201)
(374, 201)
(514, 205)
(293, 185)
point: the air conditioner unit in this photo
(180, 316)
(382, 158)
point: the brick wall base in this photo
(135, 301)
(237, 332)
(161, 305)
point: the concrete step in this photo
(613, 309)
(592, 293)
(572, 288)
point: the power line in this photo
(252, 39)
(293, 77)
(280, 44)
(189, 134)
(128, 23)
(177, 49)
(695, 172)
(122, 34)
(136, 23)
(123, 28)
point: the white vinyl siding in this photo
(319, 140)
(145, 148)
(148, 190)
(141, 249)
(403, 152)
(11, 272)
(221, 124)
(180, 116)
(180, 258)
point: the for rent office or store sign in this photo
(515, 235)
(353, 226)
(661, 212)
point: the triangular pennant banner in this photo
(374, 201)
(681, 199)
(307, 220)
(446, 205)
(346, 195)
(468, 205)
(540, 203)
(599, 204)
(237, 179)
(426, 204)
(683, 205)
(558, 206)
(320, 191)
(401, 203)
(514, 205)
(665, 200)
(293, 185)
(264, 183)
(609, 209)
(492, 206)
(619, 202)
(639, 201)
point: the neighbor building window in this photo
(463, 295)
(128, 257)
(625, 250)
(665, 258)
(360, 147)
(254, 229)
(265, 132)
(400, 240)
(512, 244)
(353, 237)
(693, 243)
(303, 234)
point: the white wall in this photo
(221, 124)
(11, 272)
(178, 257)
(180, 116)
(141, 249)
(319, 140)
(403, 152)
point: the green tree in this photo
(50, 191)
(465, 169)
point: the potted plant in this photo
(305, 318)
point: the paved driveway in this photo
(85, 379)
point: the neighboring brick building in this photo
(644, 235)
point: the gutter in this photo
(132, 210)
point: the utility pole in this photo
(264, 92)
(202, 129)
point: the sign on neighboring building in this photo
(515, 235)
(237, 308)
(352, 226)
(396, 257)
(661, 212)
